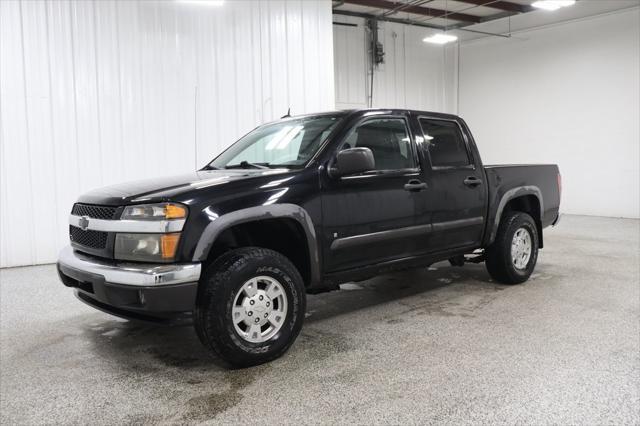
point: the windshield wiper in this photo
(246, 164)
(209, 167)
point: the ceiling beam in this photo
(408, 22)
(416, 10)
(387, 19)
(501, 5)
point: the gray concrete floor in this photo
(443, 345)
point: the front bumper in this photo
(131, 290)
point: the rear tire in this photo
(514, 253)
(250, 307)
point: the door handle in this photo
(472, 181)
(415, 185)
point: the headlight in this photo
(150, 247)
(146, 247)
(162, 211)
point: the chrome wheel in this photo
(259, 309)
(521, 248)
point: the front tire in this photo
(250, 306)
(514, 253)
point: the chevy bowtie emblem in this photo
(84, 223)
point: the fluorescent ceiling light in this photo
(553, 4)
(289, 137)
(282, 139)
(203, 2)
(440, 38)
(275, 140)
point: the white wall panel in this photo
(566, 94)
(350, 62)
(95, 93)
(414, 74)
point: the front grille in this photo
(96, 212)
(88, 238)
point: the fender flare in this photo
(219, 224)
(509, 195)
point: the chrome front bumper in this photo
(132, 274)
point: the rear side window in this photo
(445, 143)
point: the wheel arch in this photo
(526, 199)
(260, 226)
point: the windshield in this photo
(289, 143)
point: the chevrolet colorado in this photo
(299, 206)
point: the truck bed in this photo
(542, 180)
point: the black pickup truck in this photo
(299, 206)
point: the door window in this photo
(445, 143)
(388, 139)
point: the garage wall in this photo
(566, 94)
(94, 93)
(414, 75)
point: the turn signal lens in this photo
(168, 244)
(174, 211)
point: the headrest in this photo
(373, 138)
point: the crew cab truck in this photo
(299, 206)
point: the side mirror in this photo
(353, 160)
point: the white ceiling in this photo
(514, 23)
(537, 18)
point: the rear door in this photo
(457, 192)
(379, 215)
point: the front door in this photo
(378, 215)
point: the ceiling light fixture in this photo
(552, 4)
(440, 38)
(203, 2)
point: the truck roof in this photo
(363, 111)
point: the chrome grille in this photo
(96, 212)
(88, 238)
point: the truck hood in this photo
(168, 188)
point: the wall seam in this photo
(97, 78)
(56, 195)
(32, 249)
(119, 65)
